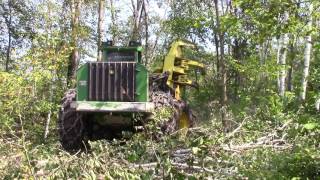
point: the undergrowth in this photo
(204, 152)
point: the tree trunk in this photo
(146, 24)
(290, 77)
(222, 73)
(216, 41)
(113, 23)
(8, 58)
(74, 57)
(137, 14)
(282, 63)
(8, 53)
(307, 55)
(100, 28)
(292, 65)
(282, 60)
(278, 59)
(263, 76)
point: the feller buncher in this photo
(111, 94)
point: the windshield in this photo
(121, 56)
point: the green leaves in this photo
(195, 150)
(311, 126)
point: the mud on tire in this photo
(71, 125)
(162, 99)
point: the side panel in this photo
(142, 83)
(82, 83)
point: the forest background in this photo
(257, 106)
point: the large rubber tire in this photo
(71, 125)
(162, 99)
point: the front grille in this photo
(112, 81)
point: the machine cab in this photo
(111, 53)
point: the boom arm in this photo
(178, 67)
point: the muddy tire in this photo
(71, 125)
(169, 125)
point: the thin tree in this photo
(307, 55)
(282, 63)
(282, 59)
(292, 58)
(74, 57)
(222, 68)
(146, 25)
(8, 21)
(114, 28)
(137, 17)
(100, 28)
